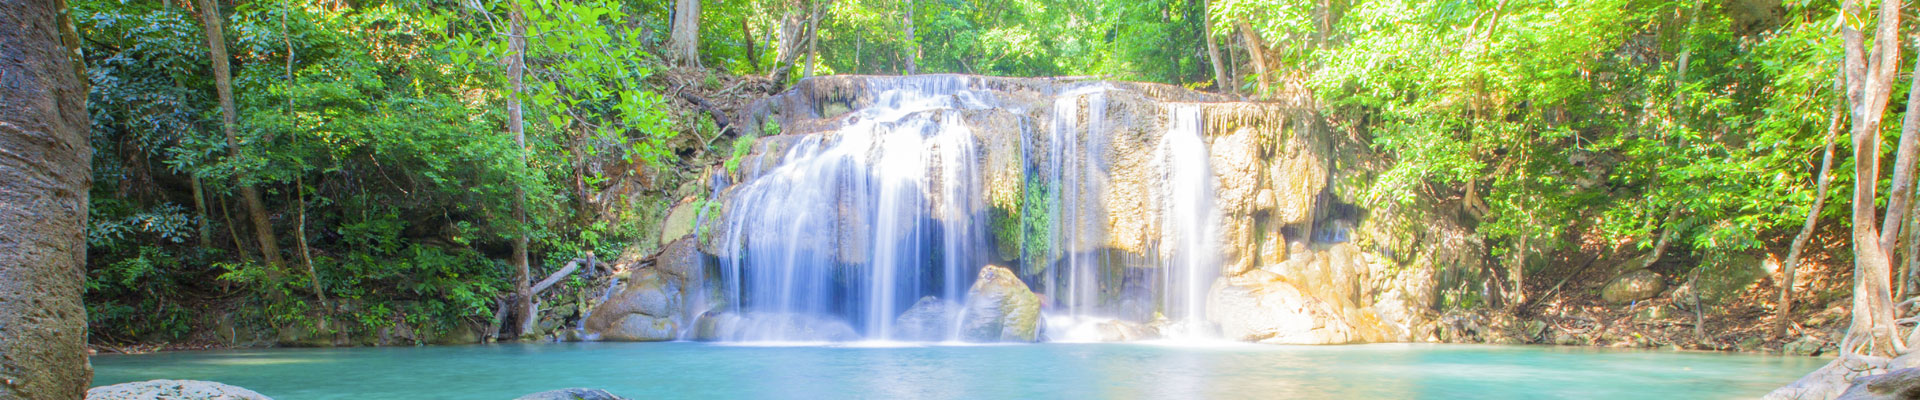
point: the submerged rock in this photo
(930, 320)
(728, 326)
(1633, 286)
(169, 389)
(572, 394)
(1000, 308)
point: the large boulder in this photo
(1832, 380)
(168, 389)
(929, 320)
(1276, 312)
(1633, 286)
(680, 221)
(572, 394)
(648, 310)
(1000, 308)
(1899, 384)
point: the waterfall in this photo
(1189, 223)
(851, 226)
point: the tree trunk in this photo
(1900, 194)
(522, 302)
(683, 43)
(1256, 55)
(45, 173)
(746, 38)
(793, 29)
(1784, 310)
(1221, 82)
(223, 85)
(813, 38)
(913, 51)
(205, 240)
(1869, 83)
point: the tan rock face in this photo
(1275, 312)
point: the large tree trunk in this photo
(1869, 83)
(1221, 81)
(522, 301)
(1784, 310)
(1256, 55)
(684, 41)
(1900, 194)
(223, 85)
(45, 172)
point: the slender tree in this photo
(229, 114)
(1870, 76)
(913, 51)
(45, 173)
(522, 311)
(1784, 312)
(1221, 81)
(1256, 55)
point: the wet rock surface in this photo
(167, 389)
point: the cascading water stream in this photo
(852, 226)
(1190, 222)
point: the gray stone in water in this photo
(573, 394)
(168, 389)
(1632, 286)
(1899, 384)
(929, 320)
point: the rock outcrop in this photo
(1633, 286)
(654, 304)
(168, 389)
(1899, 384)
(1000, 308)
(572, 394)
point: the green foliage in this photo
(376, 130)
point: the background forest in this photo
(361, 165)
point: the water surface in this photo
(1046, 371)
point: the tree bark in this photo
(1900, 194)
(1784, 310)
(522, 302)
(1869, 83)
(1221, 82)
(45, 174)
(913, 51)
(1256, 55)
(205, 240)
(793, 29)
(813, 37)
(684, 40)
(229, 114)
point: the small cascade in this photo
(853, 226)
(1190, 224)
